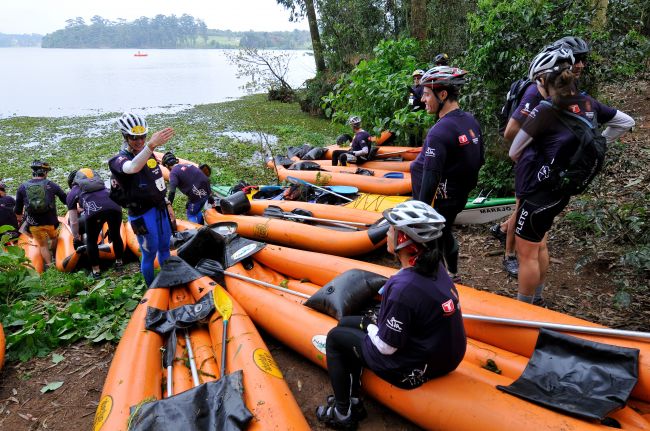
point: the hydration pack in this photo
(513, 98)
(37, 198)
(577, 166)
(88, 180)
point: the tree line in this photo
(19, 40)
(164, 31)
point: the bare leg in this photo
(543, 260)
(529, 266)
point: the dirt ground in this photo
(587, 293)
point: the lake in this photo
(68, 82)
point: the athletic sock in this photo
(525, 298)
(538, 291)
(510, 255)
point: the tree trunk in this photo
(600, 17)
(315, 36)
(419, 19)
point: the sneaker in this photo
(511, 265)
(118, 263)
(498, 233)
(328, 416)
(359, 412)
(96, 275)
(540, 302)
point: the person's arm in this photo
(435, 157)
(73, 221)
(521, 141)
(430, 182)
(512, 128)
(18, 209)
(617, 126)
(384, 348)
(171, 190)
(157, 139)
(61, 194)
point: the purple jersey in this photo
(7, 214)
(419, 316)
(146, 189)
(454, 150)
(191, 181)
(91, 203)
(52, 191)
(549, 136)
(361, 140)
(529, 101)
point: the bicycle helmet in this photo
(417, 72)
(549, 61)
(3, 186)
(132, 124)
(443, 76)
(417, 220)
(38, 165)
(71, 177)
(441, 59)
(169, 159)
(576, 44)
(354, 120)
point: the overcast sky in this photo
(46, 16)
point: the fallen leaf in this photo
(51, 387)
(56, 358)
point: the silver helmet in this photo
(419, 221)
(132, 124)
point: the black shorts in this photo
(536, 213)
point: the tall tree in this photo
(298, 10)
(419, 19)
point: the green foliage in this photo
(315, 89)
(377, 90)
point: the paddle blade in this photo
(222, 302)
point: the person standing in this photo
(446, 170)
(544, 145)
(192, 182)
(138, 185)
(7, 214)
(89, 193)
(359, 151)
(419, 334)
(37, 197)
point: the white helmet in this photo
(419, 221)
(132, 124)
(549, 60)
(354, 120)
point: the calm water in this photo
(67, 82)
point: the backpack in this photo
(513, 98)
(38, 201)
(575, 171)
(88, 184)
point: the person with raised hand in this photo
(137, 184)
(419, 333)
(543, 150)
(446, 170)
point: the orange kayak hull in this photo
(407, 153)
(32, 252)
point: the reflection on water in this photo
(68, 82)
(252, 137)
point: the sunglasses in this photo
(580, 58)
(136, 138)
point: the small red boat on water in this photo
(140, 54)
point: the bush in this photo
(315, 89)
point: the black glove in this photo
(366, 321)
(77, 242)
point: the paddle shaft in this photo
(398, 152)
(190, 355)
(224, 339)
(223, 304)
(352, 223)
(559, 326)
(301, 181)
(498, 320)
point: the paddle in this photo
(498, 320)
(412, 150)
(275, 211)
(190, 355)
(223, 304)
(294, 180)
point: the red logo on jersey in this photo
(448, 307)
(575, 109)
(462, 139)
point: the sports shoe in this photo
(359, 412)
(540, 302)
(118, 263)
(511, 265)
(498, 233)
(328, 416)
(96, 275)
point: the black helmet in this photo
(37, 165)
(441, 59)
(71, 176)
(206, 169)
(576, 44)
(3, 186)
(169, 159)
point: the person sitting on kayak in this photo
(137, 184)
(192, 182)
(452, 155)
(419, 333)
(359, 150)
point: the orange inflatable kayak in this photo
(385, 165)
(465, 399)
(32, 252)
(381, 182)
(136, 374)
(3, 346)
(330, 238)
(67, 256)
(406, 153)
(516, 339)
